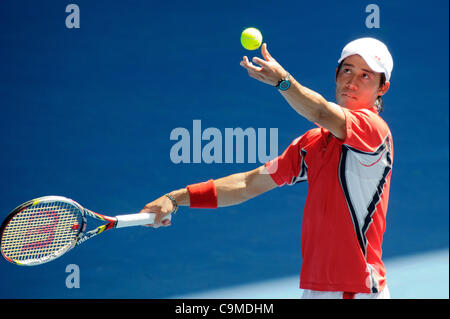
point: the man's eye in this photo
(365, 76)
(346, 70)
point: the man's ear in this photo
(382, 90)
(335, 75)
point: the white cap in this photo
(374, 52)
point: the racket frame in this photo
(111, 222)
(80, 237)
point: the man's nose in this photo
(351, 85)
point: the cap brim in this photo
(373, 65)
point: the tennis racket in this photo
(45, 228)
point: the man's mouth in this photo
(351, 96)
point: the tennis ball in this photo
(251, 38)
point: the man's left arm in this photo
(308, 103)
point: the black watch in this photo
(284, 84)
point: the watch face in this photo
(285, 85)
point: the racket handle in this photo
(137, 219)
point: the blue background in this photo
(87, 113)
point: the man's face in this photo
(357, 86)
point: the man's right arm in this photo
(234, 189)
(238, 188)
(231, 190)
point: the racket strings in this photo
(41, 230)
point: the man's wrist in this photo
(181, 196)
(284, 74)
(174, 203)
(284, 83)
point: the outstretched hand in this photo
(269, 70)
(161, 207)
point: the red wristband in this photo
(203, 195)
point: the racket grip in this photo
(137, 219)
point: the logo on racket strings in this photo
(41, 230)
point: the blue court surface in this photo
(88, 113)
(423, 276)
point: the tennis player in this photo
(347, 162)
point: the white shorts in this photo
(314, 294)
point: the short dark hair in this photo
(379, 101)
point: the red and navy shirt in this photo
(344, 217)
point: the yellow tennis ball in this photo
(251, 38)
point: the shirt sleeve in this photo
(289, 167)
(366, 130)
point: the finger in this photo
(265, 53)
(162, 219)
(261, 62)
(249, 66)
(158, 220)
(244, 59)
(148, 209)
